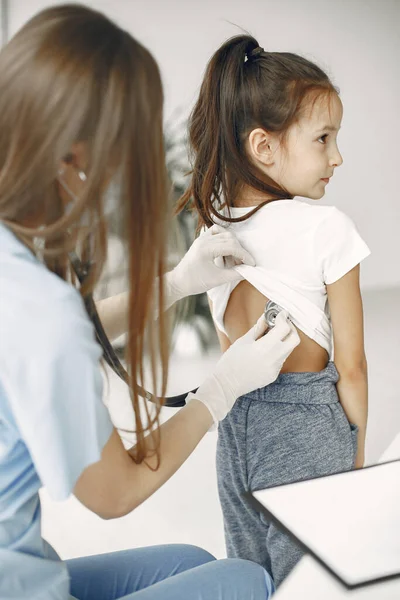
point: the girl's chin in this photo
(318, 194)
(313, 195)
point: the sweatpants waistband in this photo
(302, 388)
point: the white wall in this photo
(356, 41)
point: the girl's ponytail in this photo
(215, 128)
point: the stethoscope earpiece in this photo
(81, 174)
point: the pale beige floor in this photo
(186, 509)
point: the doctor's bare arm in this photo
(113, 313)
(346, 309)
(116, 485)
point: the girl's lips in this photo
(326, 179)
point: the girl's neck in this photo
(248, 196)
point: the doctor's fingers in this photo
(232, 248)
(281, 330)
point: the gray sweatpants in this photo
(292, 429)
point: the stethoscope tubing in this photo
(111, 357)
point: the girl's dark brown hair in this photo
(243, 88)
(71, 75)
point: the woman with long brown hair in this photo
(81, 105)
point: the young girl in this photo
(264, 130)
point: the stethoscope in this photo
(110, 356)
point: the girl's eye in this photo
(322, 139)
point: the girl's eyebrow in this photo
(328, 128)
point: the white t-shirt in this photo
(299, 248)
(53, 423)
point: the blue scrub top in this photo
(53, 422)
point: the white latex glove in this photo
(252, 362)
(208, 263)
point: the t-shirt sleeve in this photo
(339, 246)
(55, 390)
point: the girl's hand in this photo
(208, 263)
(360, 459)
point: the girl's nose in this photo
(336, 159)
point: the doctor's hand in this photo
(208, 263)
(252, 362)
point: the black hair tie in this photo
(255, 53)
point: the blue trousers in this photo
(171, 572)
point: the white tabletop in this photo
(309, 580)
(329, 516)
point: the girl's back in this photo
(244, 307)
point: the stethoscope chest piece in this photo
(271, 311)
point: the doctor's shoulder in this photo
(39, 311)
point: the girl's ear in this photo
(261, 146)
(76, 158)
